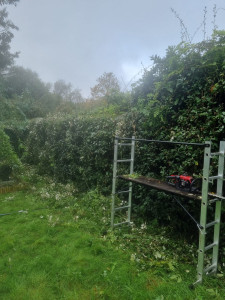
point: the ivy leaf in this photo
(157, 254)
(171, 267)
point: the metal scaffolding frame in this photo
(206, 198)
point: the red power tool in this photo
(185, 182)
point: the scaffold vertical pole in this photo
(114, 181)
(203, 216)
(218, 207)
(130, 183)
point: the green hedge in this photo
(81, 150)
(9, 162)
(77, 149)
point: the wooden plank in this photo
(161, 186)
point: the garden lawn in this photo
(67, 252)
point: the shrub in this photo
(77, 149)
(9, 162)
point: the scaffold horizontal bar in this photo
(122, 192)
(124, 160)
(163, 142)
(217, 153)
(209, 268)
(216, 177)
(124, 144)
(122, 223)
(122, 207)
(216, 196)
(210, 246)
(211, 224)
(213, 200)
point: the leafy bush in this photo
(9, 111)
(9, 162)
(17, 133)
(78, 149)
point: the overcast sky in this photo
(79, 40)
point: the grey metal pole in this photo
(114, 181)
(218, 205)
(203, 217)
(131, 172)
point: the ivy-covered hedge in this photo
(77, 149)
(9, 162)
(81, 150)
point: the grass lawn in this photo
(59, 246)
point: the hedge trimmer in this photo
(185, 182)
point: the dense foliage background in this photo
(181, 98)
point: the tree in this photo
(4, 2)
(64, 90)
(187, 71)
(6, 35)
(107, 85)
(24, 91)
(76, 97)
(20, 81)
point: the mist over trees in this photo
(27, 96)
(21, 81)
(66, 92)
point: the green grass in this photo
(66, 251)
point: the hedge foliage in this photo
(68, 148)
(181, 99)
(9, 162)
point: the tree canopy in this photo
(6, 35)
(106, 85)
(4, 2)
(66, 92)
(186, 72)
